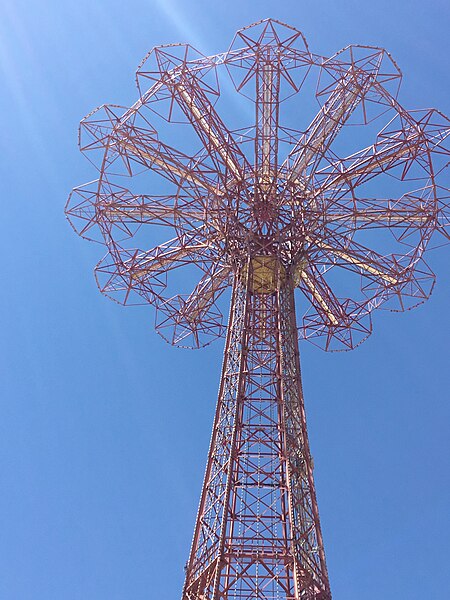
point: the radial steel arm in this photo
(216, 138)
(342, 102)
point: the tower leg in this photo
(257, 534)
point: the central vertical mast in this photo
(258, 534)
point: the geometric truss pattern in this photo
(302, 196)
(334, 199)
(258, 532)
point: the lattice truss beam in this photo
(297, 183)
(258, 532)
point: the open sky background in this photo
(104, 428)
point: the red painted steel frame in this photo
(258, 531)
(265, 208)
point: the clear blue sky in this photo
(104, 428)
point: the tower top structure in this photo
(278, 174)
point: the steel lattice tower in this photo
(268, 211)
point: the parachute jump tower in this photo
(287, 180)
